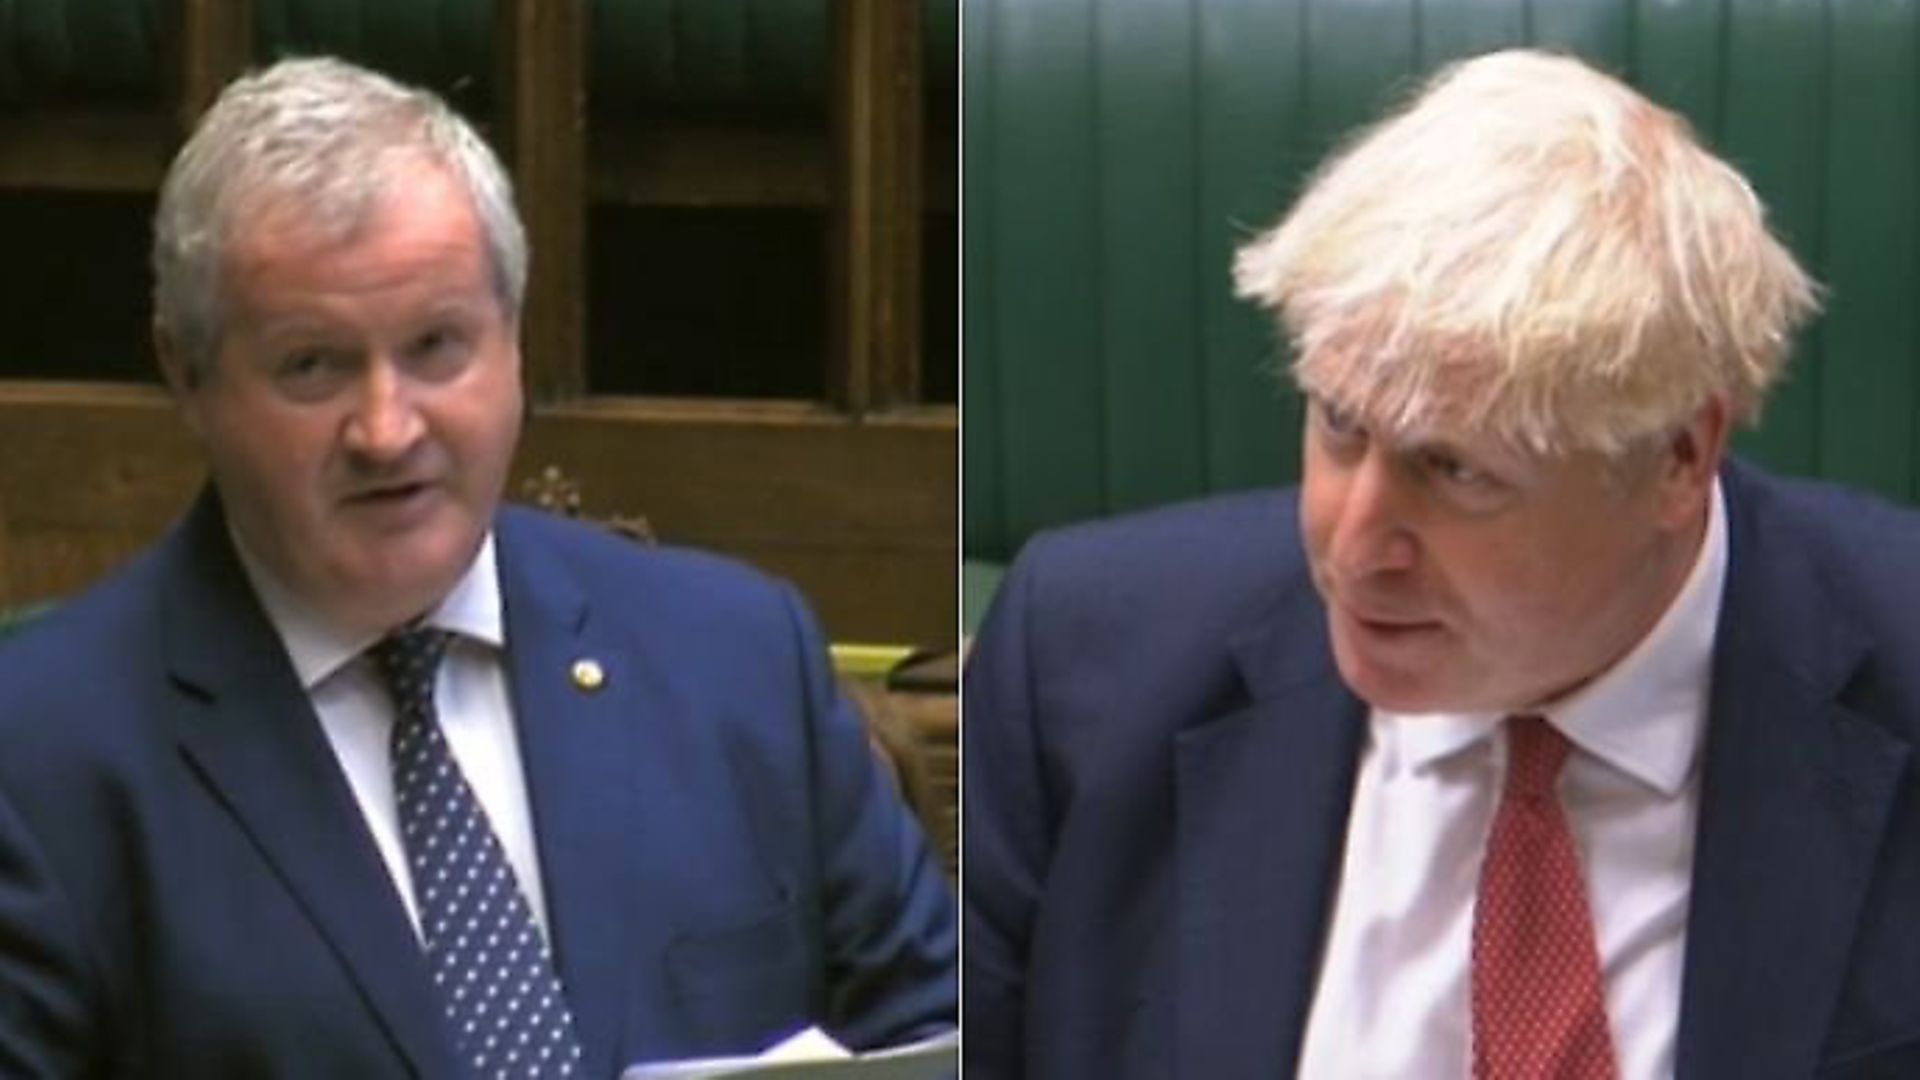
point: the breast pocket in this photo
(742, 987)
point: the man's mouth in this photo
(388, 494)
(1393, 623)
(1389, 625)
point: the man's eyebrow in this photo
(462, 305)
(1332, 408)
(1420, 444)
(1410, 443)
(1429, 443)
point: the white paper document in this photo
(813, 1055)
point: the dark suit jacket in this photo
(1160, 757)
(187, 887)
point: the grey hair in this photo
(328, 137)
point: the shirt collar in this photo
(471, 609)
(1644, 716)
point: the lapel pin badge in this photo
(588, 675)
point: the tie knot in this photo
(1535, 752)
(407, 660)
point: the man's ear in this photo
(182, 378)
(1692, 459)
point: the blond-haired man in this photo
(1530, 737)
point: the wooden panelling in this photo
(85, 150)
(860, 516)
(91, 148)
(693, 166)
(877, 201)
(216, 41)
(128, 151)
(543, 128)
(704, 167)
(87, 476)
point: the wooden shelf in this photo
(85, 150)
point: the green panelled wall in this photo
(1116, 151)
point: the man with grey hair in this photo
(1531, 736)
(367, 775)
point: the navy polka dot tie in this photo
(490, 962)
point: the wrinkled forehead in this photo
(275, 221)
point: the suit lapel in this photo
(1261, 796)
(575, 742)
(1796, 792)
(246, 726)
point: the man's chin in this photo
(1394, 687)
(396, 591)
(1401, 699)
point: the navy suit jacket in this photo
(188, 888)
(1160, 756)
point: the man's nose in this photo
(1373, 531)
(385, 422)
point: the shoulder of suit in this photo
(1819, 570)
(1845, 532)
(605, 563)
(1245, 537)
(1198, 568)
(71, 679)
(94, 621)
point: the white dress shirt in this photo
(1394, 995)
(470, 696)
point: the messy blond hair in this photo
(1532, 250)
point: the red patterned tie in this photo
(1539, 1010)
